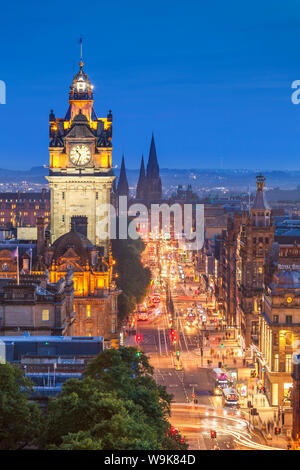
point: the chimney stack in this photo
(41, 229)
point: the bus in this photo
(142, 316)
(142, 313)
(220, 380)
(230, 397)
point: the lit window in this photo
(288, 363)
(45, 315)
(88, 311)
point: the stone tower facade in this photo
(257, 237)
(80, 171)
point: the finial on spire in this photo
(81, 61)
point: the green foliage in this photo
(100, 418)
(20, 420)
(117, 406)
(81, 440)
(133, 278)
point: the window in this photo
(63, 195)
(275, 318)
(45, 315)
(288, 363)
(288, 319)
(113, 325)
(88, 311)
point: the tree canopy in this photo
(117, 405)
(20, 420)
(134, 278)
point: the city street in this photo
(181, 362)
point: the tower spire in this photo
(123, 187)
(153, 190)
(140, 187)
(152, 166)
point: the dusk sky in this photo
(212, 80)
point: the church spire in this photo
(152, 166)
(153, 189)
(123, 188)
(140, 188)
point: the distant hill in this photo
(202, 180)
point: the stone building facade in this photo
(36, 307)
(279, 335)
(257, 236)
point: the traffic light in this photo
(178, 355)
(138, 338)
(213, 434)
(222, 345)
(277, 430)
(174, 338)
(138, 354)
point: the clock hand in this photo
(79, 155)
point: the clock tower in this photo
(80, 170)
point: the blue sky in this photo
(212, 80)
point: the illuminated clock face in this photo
(289, 300)
(80, 154)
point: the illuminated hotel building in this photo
(279, 332)
(80, 170)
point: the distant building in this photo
(22, 209)
(48, 361)
(149, 187)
